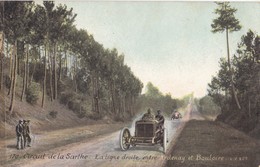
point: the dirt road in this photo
(101, 150)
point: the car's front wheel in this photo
(124, 139)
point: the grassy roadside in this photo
(213, 144)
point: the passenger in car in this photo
(160, 118)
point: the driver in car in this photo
(148, 115)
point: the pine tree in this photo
(227, 22)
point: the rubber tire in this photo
(121, 138)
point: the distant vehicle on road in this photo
(147, 132)
(176, 115)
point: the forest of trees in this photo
(154, 99)
(43, 56)
(236, 87)
(54, 60)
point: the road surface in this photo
(100, 151)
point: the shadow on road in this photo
(11, 146)
(142, 148)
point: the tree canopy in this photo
(246, 79)
(62, 56)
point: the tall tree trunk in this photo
(122, 98)
(33, 71)
(60, 64)
(75, 73)
(93, 92)
(11, 60)
(125, 104)
(234, 95)
(66, 63)
(1, 71)
(27, 67)
(2, 61)
(120, 104)
(109, 104)
(55, 72)
(18, 62)
(50, 74)
(44, 78)
(112, 97)
(34, 66)
(249, 108)
(25, 73)
(13, 79)
(70, 65)
(97, 95)
(131, 105)
(116, 99)
(11, 66)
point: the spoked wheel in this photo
(165, 140)
(124, 139)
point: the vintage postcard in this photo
(129, 83)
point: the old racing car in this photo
(147, 132)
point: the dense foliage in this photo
(236, 87)
(42, 44)
(156, 100)
(207, 106)
(33, 93)
(246, 67)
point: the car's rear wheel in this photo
(124, 139)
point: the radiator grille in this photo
(144, 130)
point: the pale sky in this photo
(167, 43)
